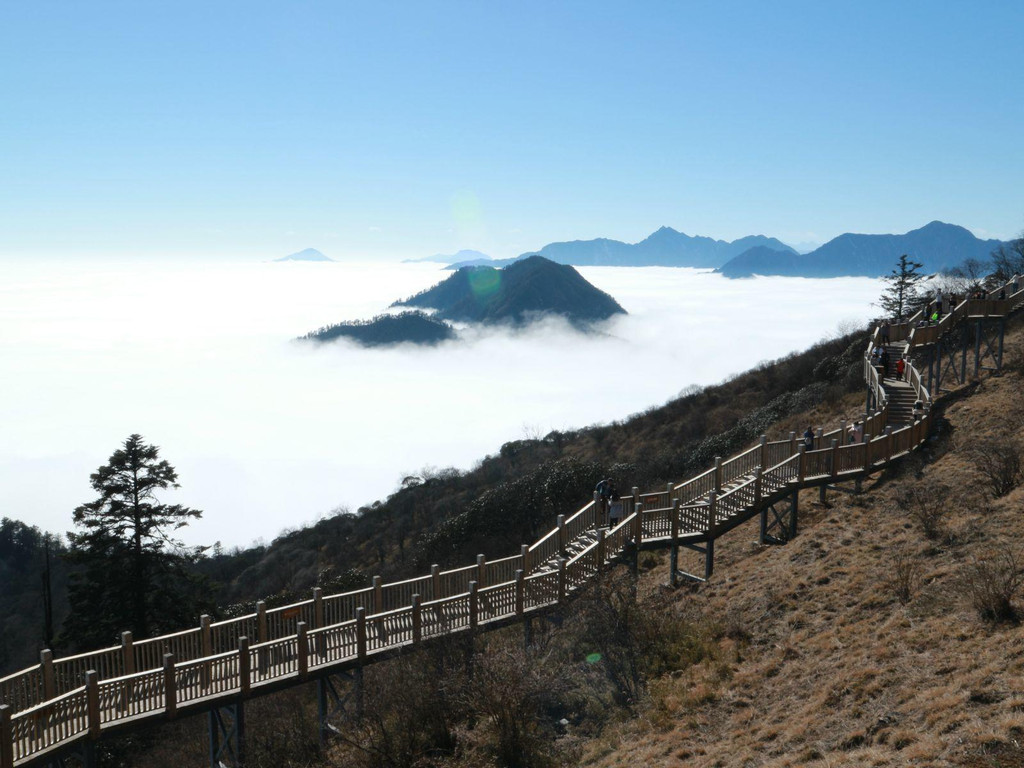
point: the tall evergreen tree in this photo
(132, 573)
(900, 295)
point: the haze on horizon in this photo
(252, 130)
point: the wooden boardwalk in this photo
(64, 701)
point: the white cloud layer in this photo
(268, 434)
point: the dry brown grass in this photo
(844, 654)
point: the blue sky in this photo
(404, 129)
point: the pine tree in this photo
(901, 293)
(132, 574)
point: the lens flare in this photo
(593, 658)
(484, 283)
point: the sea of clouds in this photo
(267, 433)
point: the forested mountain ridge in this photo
(517, 294)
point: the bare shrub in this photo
(991, 583)
(904, 574)
(1000, 461)
(928, 505)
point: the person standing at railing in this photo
(604, 490)
(885, 332)
(856, 432)
(809, 438)
(883, 362)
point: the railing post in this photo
(669, 487)
(817, 439)
(318, 608)
(561, 533)
(867, 452)
(361, 634)
(170, 686)
(764, 450)
(561, 579)
(261, 622)
(520, 593)
(718, 474)
(888, 444)
(378, 595)
(758, 472)
(524, 551)
(473, 605)
(49, 680)
(128, 653)
(802, 450)
(673, 561)
(601, 548)
(712, 505)
(205, 635)
(792, 443)
(835, 457)
(481, 570)
(92, 702)
(302, 647)
(244, 665)
(600, 512)
(417, 619)
(638, 523)
(435, 581)
(636, 497)
(6, 738)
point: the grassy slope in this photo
(819, 663)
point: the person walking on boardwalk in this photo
(809, 438)
(883, 361)
(604, 490)
(885, 332)
(901, 365)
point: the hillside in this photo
(387, 330)
(936, 245)
(517, 294)
(860, 643)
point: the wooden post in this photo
(128, 654)
(835, 457)
(302, 643)
(601, 548)
(318, 608)
(888, 444)
(474, 605)
(792, 443)
(561, 579)
(92, 702)
(636, 497)
(524, 552)
(867, 452)
(361, 634)
(764, 450)
(261, 622)
(481, 570)
(817, 439)
(244, 665)
(417, 620)
(205, 647)
(802, 450)
(718, 474)
(520, 593)
(435, 582)
(712, 507)
(170, 686)
(49, 680)
(673, 560)
(669, 488)
(600, 510)
(758, 472)
(378, 595)
(638, 524)
(6, 738)
(561, 533)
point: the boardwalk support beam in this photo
(227, 736)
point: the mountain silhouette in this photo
(936, 245)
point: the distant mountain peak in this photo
(308, 254)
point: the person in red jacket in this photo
(900, 367)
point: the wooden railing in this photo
(61, 700)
